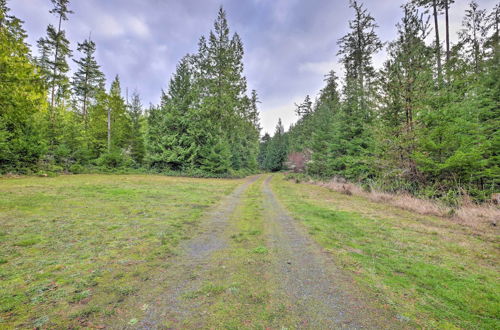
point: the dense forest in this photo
(425, 123)
(52, 121)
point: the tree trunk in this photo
(85, 93)
(438, 46)
(109, 128)
(56, 54)
(446, 7)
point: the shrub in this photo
(114, 159)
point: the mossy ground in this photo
(73, 248)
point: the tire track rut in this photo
(187, 270)
(322, 295)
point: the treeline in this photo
(54, 121)
(425, 123)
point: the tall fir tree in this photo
(178, 123)
(357, 48)
(406, 84)
(88, 78)
(135, 111)
(436, 6)
(118, 120)
(276, 150)
(474, 35)
(54, 53)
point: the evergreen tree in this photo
(224, 102)
(96, 130)
(22, 98)
(305, 108)
(54, 50)
(88, 78)
(473, 35)
(436, 5)
(405, 87)
(177, 147)
(276, 150)
(136, 139)
(324, 133)
(353, 143)
(118, 120)
(357, 48)
(264, 144)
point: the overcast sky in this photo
(289, 44)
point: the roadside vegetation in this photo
(424, 124)
(75, 247)
(431, 270)
(479, 216)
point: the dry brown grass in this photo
(468, 213)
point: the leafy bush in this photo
(114, 159)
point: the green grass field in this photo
(85, 250)
(74, 247)
(432, 271)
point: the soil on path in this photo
(322, 294)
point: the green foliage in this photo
(137, 148)
(273, 150)
(115, 158)
(206, 121)
(22, 99)
(400, 128)
(88, 78)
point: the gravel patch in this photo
(189, 268)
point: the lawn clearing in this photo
(72, 248)
(434, 272)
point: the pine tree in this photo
(353, 143)
(324, 133)
(88, 78)
(474, 33)
(223, 104)
(118, 121)
(436, 5)
(305, 108)
(253, 114)
(176, 142)
(54, 50)
(136, 139)
(357, 48)
(264, 145)
(405, 89)
(276, 150)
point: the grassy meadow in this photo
(432, 271)
(74, 247)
